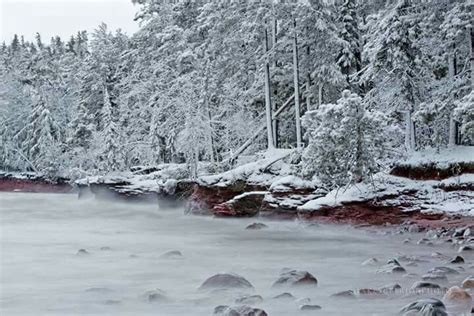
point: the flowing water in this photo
(41, 273)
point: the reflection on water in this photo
(42, 272)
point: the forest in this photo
(351, 85)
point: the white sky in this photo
(63, 17)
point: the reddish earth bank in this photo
(31, 183)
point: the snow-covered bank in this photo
(32, 182)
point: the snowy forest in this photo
(350, 85)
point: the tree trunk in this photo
(268, 99)
(275, 65)
(297, 88)
(308, 82)
(409, 132)
(452, 74)
(471, 42)
(320, 95)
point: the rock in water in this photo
(420, 286)
(256, 226)
(443, 270)
(156, 296)
(295, 278)
(424, 307)
(344, 294)
(468, 283)
(308, 307)
(457, 301)
(249, 300)
(82, 252)
(371, 262)
(173, 254)
(285, 296)
(457, 260)
(226, 281)
(392, 266)
(238, 311)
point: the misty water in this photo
(41, 273)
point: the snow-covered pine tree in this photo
(345, 142)
(350, 56)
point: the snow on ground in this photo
(442, 158)
(428, 195)
(260, 172)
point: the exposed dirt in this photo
(34, 185)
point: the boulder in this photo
(82, 252)
(425, 307)
(392, 266)
(243, 310)
(173, 254)
(308, 307)
(249, 300)
(295, 278)
(256, 226)
(285, 296)
(156, 296)
(468, 283)
(371, 262)
(247, 204)
(442, 270)
(457, 301)
(226, 281)
(466, 248)
(457, 260)
(425, 285)
(344, 294)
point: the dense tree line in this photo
(189, 86)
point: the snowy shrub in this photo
(345, 142)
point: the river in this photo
(43, 274)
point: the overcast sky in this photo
(63, 17)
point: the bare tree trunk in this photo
(275, 65)
(268, 99)
(297, 87)
(409, 132)
(471, 41)
(452, 74)
(320, 94)
(308, 82)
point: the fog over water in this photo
(41, 273)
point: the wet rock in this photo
(243, 310)
(295, 278)
(226, 281)
(407, 241)
(308, 307)
(437, 277)
(425, 285)
(465, 249)
(424, 241)
(82, 252)
(249, 300)
(457, 260)
(101, 290)
(457, 301)
(442, 270)
(344, 294)
(371, 262)
(468, 283)
(105, 248)
(156, 296)
(425, 307)
(392, 266)
(173, 254)
(284, 296)
(256, 226)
